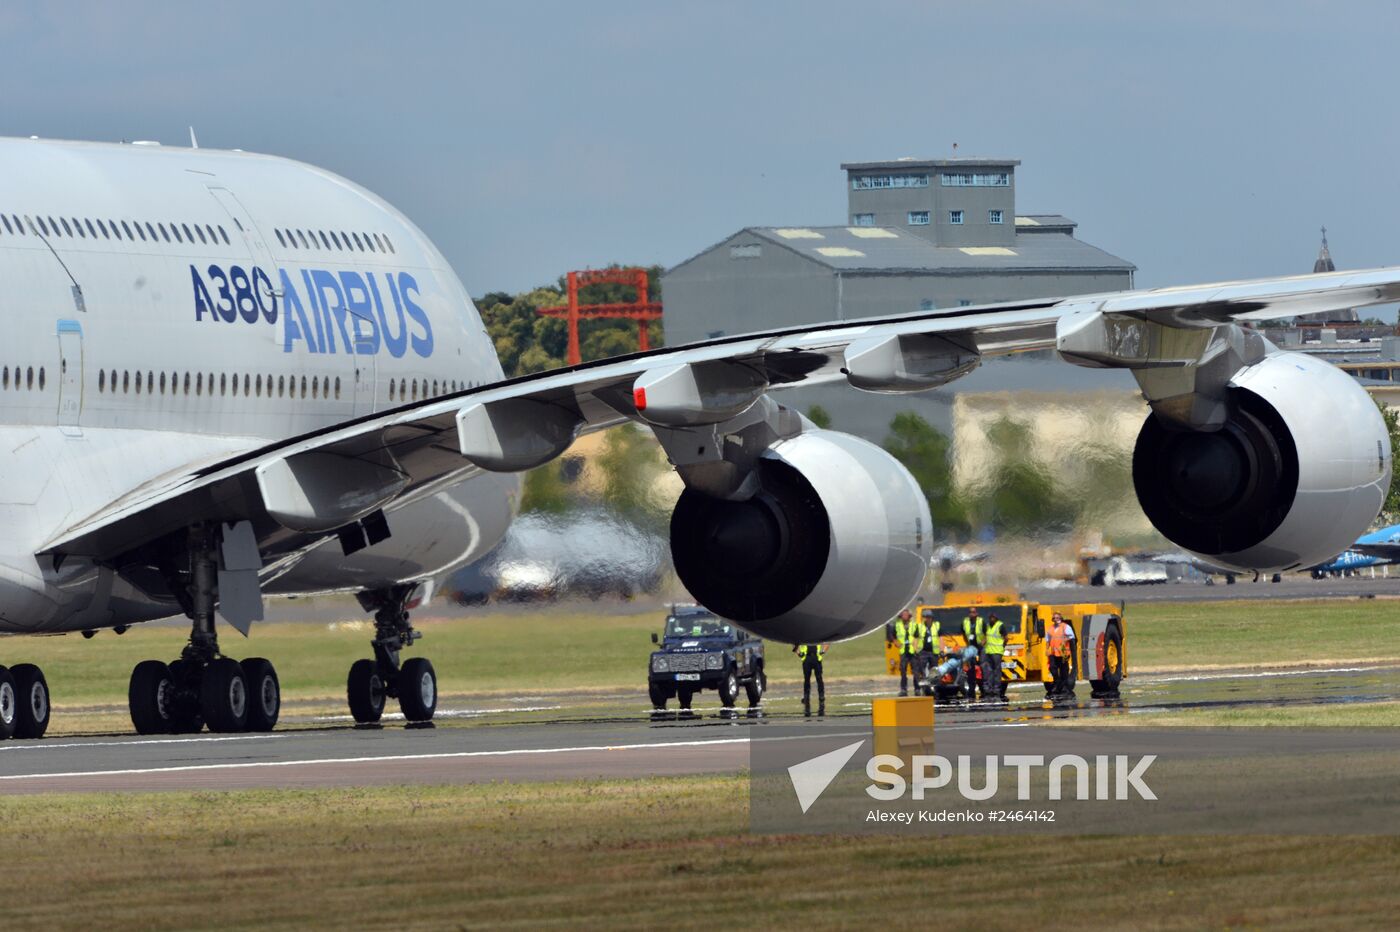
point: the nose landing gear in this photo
(372, 683)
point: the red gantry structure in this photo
(642, 310)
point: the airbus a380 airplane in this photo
(230, 375)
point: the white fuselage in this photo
(169, 307)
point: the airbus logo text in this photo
(360, 313)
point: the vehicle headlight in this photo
(714, 661)
(659, 664)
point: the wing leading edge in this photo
(298, 491)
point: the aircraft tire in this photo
(32, 692)
(9, 704)
(365, 692)
(417, 688)
(264, 694)
(151, 698)
(185, 717)
(223, 696)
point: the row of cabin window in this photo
(155, 232)
(409, 390)
(112, 229)
(24, 378)
(306, 239)
(124, 382)
(316, 387)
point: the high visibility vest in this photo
(996, 642)
(909, 635)
(1059, 640)
(821, 651)
(973, 632)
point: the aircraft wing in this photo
(334, 481)
(1381, 551)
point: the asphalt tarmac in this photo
(626, 741)
(1294, 586)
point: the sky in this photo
(1201, 141)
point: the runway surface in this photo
(629, 742)
(1294, 586)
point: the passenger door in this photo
(268, 287)
(70, 377)
(366, 367)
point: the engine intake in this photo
(1297, 472)
(836, 541)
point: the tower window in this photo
(955, 216)
(918, 218)
(994, 216)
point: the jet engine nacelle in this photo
(1299, 470)
(836, 541)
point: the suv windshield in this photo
(697, 626)
(949, 620)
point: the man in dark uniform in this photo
(812, 656)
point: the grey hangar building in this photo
(920, 235)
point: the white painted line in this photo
(446, 713)
(133, 741)
(1259, 674)
(245, 765)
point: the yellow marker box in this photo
(903, 727)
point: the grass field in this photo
(672, 852)
(633, 854)
(571, 647)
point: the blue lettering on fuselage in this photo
(326, 312)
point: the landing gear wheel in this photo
(32, 693)
(151, 697)
(185, 717)
(223, 696)
(9, 701)
(417, 688)
(365, 691)
(756, 687)
(729, 689)
(659, 696)
(264, 694)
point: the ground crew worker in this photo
(974, 633)
(1059, 650)
(909, 635)
(994, 645)
(812, 656)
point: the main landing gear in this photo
(24, 702)
(203, 687)
(372, 683)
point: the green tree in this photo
(1019, 496)
(819, 416)
(546, 491)
(526, 342)
(927, 454)
(630, 465)
(1391, 508)
(535, 359)
(602, 342)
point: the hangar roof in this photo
(881, 249)
(889, 164)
